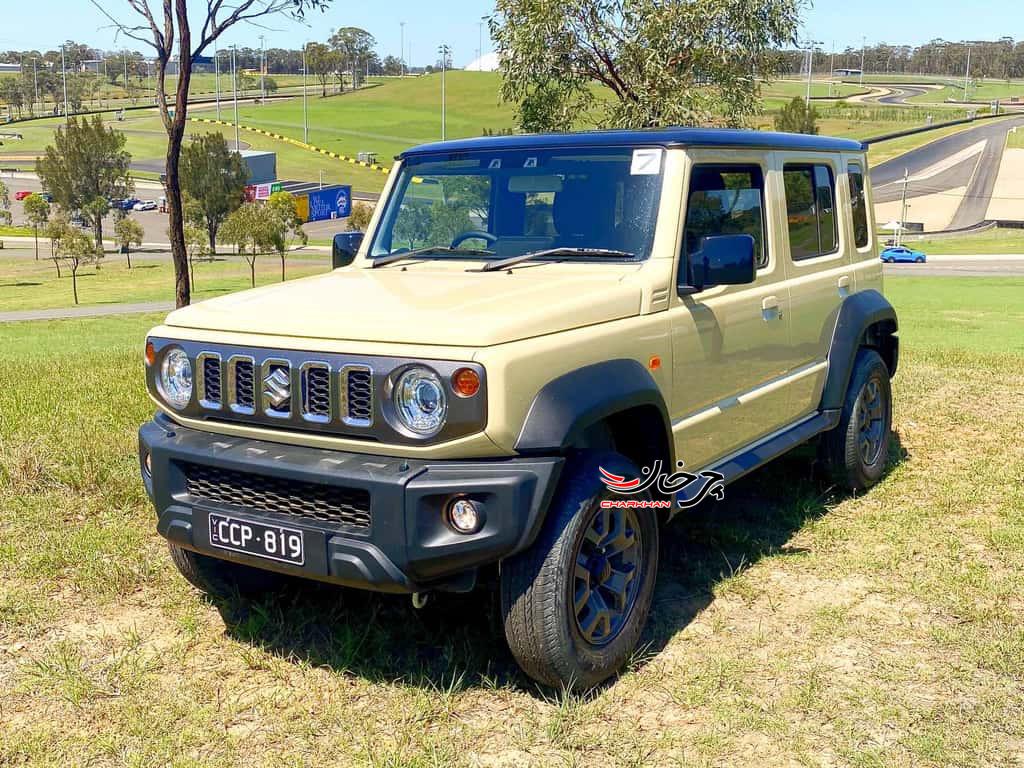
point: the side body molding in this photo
(565, 407)
(864, 317)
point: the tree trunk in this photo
(192, 272)
(211, 229)
(252, 271)
(35, 234)
(74, 280)
(97, 228)
(282, 266)
(128, 254)
(56, 263)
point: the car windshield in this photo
(567, 203)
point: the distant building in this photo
(486, 63)
(5, 67)
(846, 72)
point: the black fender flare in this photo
(858, 313)
(566, 406)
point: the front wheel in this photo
(857, 450)
(575, 603)
(222, 579)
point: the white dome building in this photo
(486, 63)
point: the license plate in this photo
(273, 542)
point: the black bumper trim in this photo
(407, 546)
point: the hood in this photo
(437, 304)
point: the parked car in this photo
(46, 196)
(145, 205)
(899, 254)
(128, 204)
(21, 194)
(513, 392)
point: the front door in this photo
(731, 344)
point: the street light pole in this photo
(234, 88)
(263, 71)
(863, 45)
(967, 73)
(64, 77)
(35, 82)
(305, 114)
(444, 65)
(401, 57)
(216, 75)
(480, 49)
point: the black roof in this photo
(656, 137)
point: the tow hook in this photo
(420, 600)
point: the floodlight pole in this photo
(401, 58)
(216, 75)
(263, 72)
(967, 73)
(35, 80)
(234, 88)
(903, 208)
(305, 113)
(863, 46)
(444, 65)
(64, 77)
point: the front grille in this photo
(358, 396)
(245, 389)
(314, 501)
(211, 380)
(316, 392)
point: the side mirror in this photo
(722, 260)
(344, 249)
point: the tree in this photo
(392, 65)
(56, 230)
(5, 204)
(37, 213)
(354, 45)
(77, 250)
(322, 62)
(359, 221)
(195, 242)
(169, 33)
(284, 223)
(252, 232)
(128, 232)
(214, 176)
(797, 117)
(86, 166)
(661, 62)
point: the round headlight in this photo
(420, 401)
(176, 378)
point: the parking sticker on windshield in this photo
(646, 162)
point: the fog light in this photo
(465, 516)
(149, 464)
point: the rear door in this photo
(731, 344)
(817, 260)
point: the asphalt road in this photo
(969, 158)
(900, 93)
(973, 267)
(154, 223)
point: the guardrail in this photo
(933, 127)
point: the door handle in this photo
(844, 285)
(770, 308)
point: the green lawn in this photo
(992, 241)
(1015, 139)
(29, 284)
(787, 89)
(983, 90)
(790, 626)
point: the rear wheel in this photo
(857, 450)
(575, 603)
(220, 578)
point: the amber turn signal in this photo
(654, 363)
(466, 382)
(150, 352)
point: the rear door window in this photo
(858, 201)
(810, 210)
(725, 200)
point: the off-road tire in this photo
(223, 579)
(540, 621)
(844, 458)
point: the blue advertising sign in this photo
(331, 203)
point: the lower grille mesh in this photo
(327, 503)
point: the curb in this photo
(295, 142)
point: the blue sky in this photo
(44, 23)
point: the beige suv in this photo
(543, 347)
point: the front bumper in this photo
(406, 547)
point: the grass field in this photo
(1015, 139)
(787, 89)
(992, 241)
(984, 90)
(29, 284)
(791, 626)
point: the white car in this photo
(145, 205)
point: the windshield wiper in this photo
(492, 266)
(391, 258)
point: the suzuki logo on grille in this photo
(277, 387)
